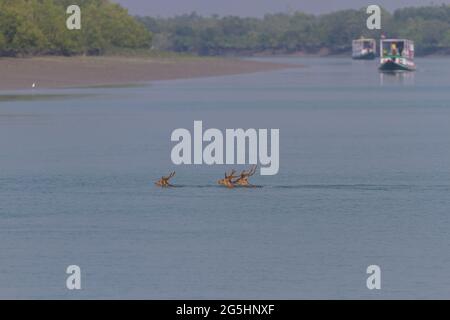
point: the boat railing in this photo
(392, 56)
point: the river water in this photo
(364, 180)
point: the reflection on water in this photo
(80, 92)
(405, 78)
(39, 97)
(113, 86)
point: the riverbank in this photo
(60, 72)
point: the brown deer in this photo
(243, 179)
(164, 181)
(228, 180)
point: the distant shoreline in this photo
(63, 72)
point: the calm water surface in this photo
(364, 179)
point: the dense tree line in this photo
(29, 27)
(429, 27)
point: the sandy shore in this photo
(57, 72)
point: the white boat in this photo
(397, 55)
(364, 49)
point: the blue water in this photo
(364, 179)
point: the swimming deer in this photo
(228, 180)
(243, 179)
(164, 181)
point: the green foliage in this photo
(429, 27)
(29, 27)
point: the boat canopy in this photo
(360, 44)
(397, 48)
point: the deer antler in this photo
(232, 176)
(252, 170)
(170, 176)
(164, 181)
(249, 173)
(227, 176)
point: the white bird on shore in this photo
(33, 85)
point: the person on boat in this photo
(164, 181)
(394, 50)
(403, 52)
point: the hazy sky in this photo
(257, 7)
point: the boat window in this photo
(393, 48)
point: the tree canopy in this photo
(29, 27)
(429, 27)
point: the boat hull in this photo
(391, 66)
(365, 56)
